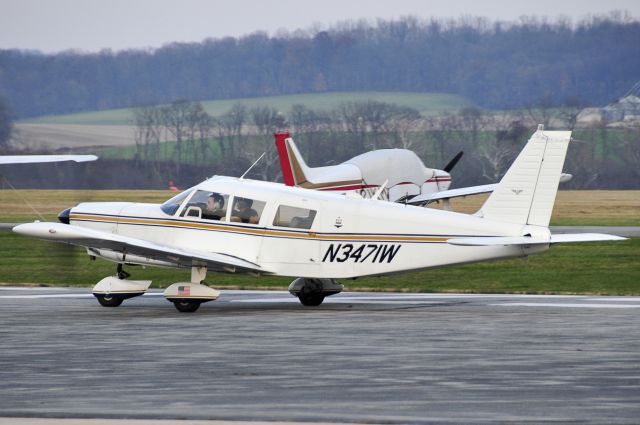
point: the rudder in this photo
(527, 192)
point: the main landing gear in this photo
(312, 292)
(187, 296)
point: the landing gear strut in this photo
(121, 273)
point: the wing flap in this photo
(90, 238)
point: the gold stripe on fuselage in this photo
(256, 232)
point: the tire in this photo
(184, 306)
(109, 300)
(311, 300)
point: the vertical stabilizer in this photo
(294, 169)
(527, 192)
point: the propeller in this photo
(453, 162)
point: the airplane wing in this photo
(448, 194)
(90, 238)
(527, 240)
(30, 159)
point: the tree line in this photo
(494, 64)
(182, 138)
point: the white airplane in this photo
(33, 159)
(233, 225)
(403, 175)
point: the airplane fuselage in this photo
(336, 236)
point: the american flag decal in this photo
(184, 290)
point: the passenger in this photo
(215, 208)
(242, 211)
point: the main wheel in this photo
(184, 306)
(311, 300)
(109, 300)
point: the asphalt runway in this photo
(360, 357)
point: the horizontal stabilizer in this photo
(528, 240)
(453, 193)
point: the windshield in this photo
(171, 206)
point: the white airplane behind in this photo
(400, 172)
(33, 159)
(403, 172)
(232, 225)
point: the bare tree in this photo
(230, 126)
(6, 123)
(176, 120)
(148, 134)
(568, 114)
(498, 156)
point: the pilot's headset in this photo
(218, 201)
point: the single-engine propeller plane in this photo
(400, 172)
(404, 173)
(234, 225)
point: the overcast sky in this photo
(91, 25)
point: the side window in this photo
(247, 210)
(207, 206)
(297, 218)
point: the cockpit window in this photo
(171, 206)
(246, 210)
(297, 218)
(207, 206)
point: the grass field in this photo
(597, 268)
(573, 207)
(605, 268)
(426, 103)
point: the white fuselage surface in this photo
(301, 232)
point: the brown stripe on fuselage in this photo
(257, 232)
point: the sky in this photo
(92, 25)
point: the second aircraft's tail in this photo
(294, 169)
(527, 192)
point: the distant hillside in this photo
(425, 103)
(494, 65)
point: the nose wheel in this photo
(109, 300)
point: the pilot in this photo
(242, 211)
(215, 207)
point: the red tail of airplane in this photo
(285, 161)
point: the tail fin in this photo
(291, 162)
(527, 192)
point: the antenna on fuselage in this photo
(253, 165)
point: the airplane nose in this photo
(63, 217)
